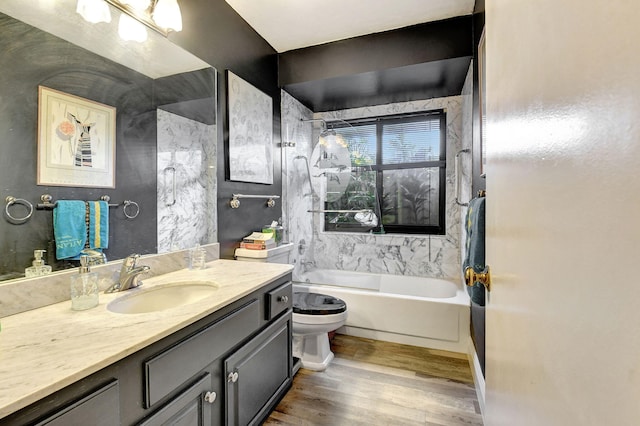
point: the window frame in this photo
(379, 167)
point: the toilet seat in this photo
(319, 319)
(317, 304)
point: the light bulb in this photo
(131, 30)
(94, 11)
(167, 15)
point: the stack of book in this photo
(258, 241)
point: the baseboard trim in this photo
(478, 377)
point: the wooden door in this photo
(563, 212)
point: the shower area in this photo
(325, 261)
(305, 190)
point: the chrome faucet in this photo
(129, 275)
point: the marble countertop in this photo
(46, 349)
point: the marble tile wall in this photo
(436, 256)
(187, 208)
(466, 159)
(297, 192)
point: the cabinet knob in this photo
(232, 377)
(210, 397)
(283, 299)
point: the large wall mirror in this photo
(165, 132)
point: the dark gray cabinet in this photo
(187, 378)
(167, 371)
(192, 407)
(101, 408)
(257, 374)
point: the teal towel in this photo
(475, 246)
(69, 228)
(98, 225)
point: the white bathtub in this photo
(419, 311)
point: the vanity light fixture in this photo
(166, 14)
(162, 16)
(131, 30)
(94, 11)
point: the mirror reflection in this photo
(164, 137)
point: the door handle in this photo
(471, 277)
(210, 397)
(173, 185)
(232, 377)
(283, 299)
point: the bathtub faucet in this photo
(307, 265)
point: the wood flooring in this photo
(378, 383)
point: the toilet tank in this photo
(279, 254)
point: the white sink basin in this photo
(161, 297)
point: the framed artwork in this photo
(482, 90)
(250, 132)
(76, 141)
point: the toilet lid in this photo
(317, 304)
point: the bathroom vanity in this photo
(224, 359)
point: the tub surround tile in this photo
(437, 256)
(31, 293)
(415, 255)
(106, 337)
(186, 153)
(297, 190)
(466, 159)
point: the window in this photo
(398, 168)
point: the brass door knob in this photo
(471, 277)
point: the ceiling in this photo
(293, 24)
(288, 25)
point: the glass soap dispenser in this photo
(84, 287)
(39, 268)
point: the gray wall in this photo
(31, 57)
(215, 33)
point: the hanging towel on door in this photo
(69, 228)
(475, 246)
(98, 225)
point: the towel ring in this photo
(13, 200)
(128, 203)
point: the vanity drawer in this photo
(100, 408)
(278, 300)
(169, 370)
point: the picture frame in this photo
(76, 141)
(250, 116)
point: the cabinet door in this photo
(100, 408)
(258, 373)
(172, 368)
(190, 408)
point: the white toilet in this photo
(314, 314)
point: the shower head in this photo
(327, 132)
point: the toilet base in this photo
(313, 350)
